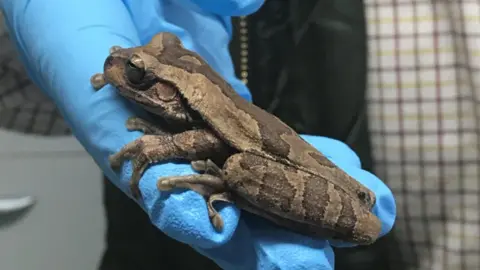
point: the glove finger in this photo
(228, 7)
(265, 246)
(277, 248)
(227, 255)
(334, 149)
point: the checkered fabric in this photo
(424, 82)
(23, 107)
(424, 109)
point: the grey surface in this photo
(65, 228)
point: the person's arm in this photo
(63, 43)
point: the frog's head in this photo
(134, 73)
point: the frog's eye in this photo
(135, 69)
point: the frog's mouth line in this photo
(176, 110)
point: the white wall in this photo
(65, 228)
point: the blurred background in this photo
(65, 226)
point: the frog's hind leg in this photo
(211, 187)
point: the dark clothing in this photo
(134, 243)
(307, 65)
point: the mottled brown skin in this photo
(266, 167)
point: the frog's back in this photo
(245, 126)
(251, 129)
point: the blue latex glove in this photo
(62, 43)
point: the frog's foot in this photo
(209, 186)
(143, 151)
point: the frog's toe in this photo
(116, 161)
(217, 222)
(199, 165)
(135, 190)
(114, 49)
(98, 81)
(165, 184)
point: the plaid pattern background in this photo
(424, 109)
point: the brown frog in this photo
(243, 154)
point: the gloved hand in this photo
(62, 43)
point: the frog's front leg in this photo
(139, 124)
(211, 187)
(189, 145)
